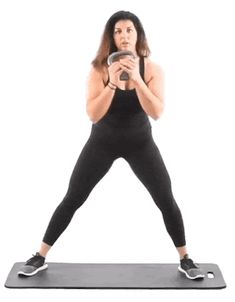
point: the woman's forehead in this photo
(124, 23)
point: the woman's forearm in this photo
(151, 104)
(97, 107)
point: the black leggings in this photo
(106, 144)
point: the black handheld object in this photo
(115, 57)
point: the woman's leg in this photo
(44, 249)
(93, 163)
(148, 165)
(182, 250)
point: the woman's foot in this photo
(190, 269)
(32, 266)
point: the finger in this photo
(126, 60)
(128, 65)
(119, 73)
(129, 60)
(126, 70)
(114, 67)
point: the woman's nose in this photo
(124, 34)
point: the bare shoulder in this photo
(97, 75)
(96, 82)
(152, 70)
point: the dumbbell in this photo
(115, 57)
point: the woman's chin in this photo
(125, 47)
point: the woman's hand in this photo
(115, 71)
(131, 66)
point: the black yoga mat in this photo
(115, 276)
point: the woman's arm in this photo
(99, 96)
(150, 94)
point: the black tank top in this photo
(125, 109)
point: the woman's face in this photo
(125, 35)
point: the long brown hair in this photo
(107, 45)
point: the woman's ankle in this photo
(182, 250)
(44, 249)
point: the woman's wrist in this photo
(112, 85)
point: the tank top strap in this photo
(142, 67)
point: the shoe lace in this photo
(32, 259)
(189, 262)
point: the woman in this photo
(119, 111)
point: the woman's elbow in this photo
(158, 112)
(90, 114)
(92, 118)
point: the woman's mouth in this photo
(125, 44)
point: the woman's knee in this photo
(72, 202)
(166, 203)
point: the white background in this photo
(45, 54)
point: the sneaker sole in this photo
(199, 276)
(41, 268)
